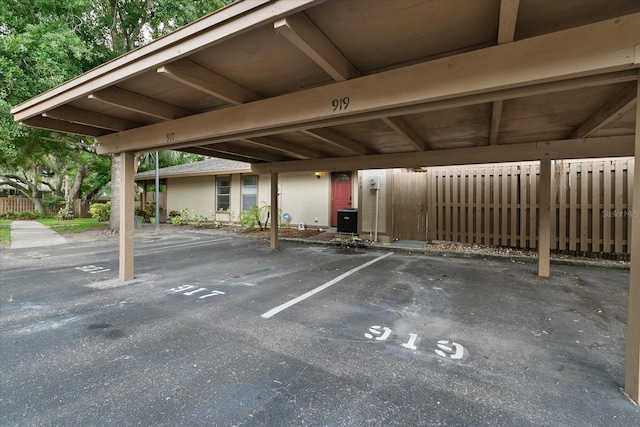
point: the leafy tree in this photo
(46, 42)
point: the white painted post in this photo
(274, 211)
(127, 210)
(544, 229)
(632, 371)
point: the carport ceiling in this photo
(346, 84)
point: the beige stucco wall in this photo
(306, 198)
(193, 193)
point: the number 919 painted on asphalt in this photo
(445, 348)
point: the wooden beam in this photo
(544, 229)
(506, 34)
(127, 208)
(254, 154)
(304, 34)
(615, 146)
(90, 118)
(610, 112)
(400, 126)
(231, 21)
(588, 50)
(204, 151)
(140, 104)
(332, 137)
(508, 19)
(200, 78)
(285, 147)
(63, 126)
(539, 89)
(632, 371)
(496, 116)
(273, 234)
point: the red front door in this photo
(340, 194)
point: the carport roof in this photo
(332, 84)
(212, 166)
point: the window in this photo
(223, 187)
(249, 192)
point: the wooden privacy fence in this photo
(23, 204)
(498, 205)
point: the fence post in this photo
(632, 371)
(544, 240)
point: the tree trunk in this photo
(114, 221)
(74, 191)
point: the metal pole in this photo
(157, 193)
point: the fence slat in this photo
(533, 203)
(479, 207)
(503, 208)
(554, 211)
(513, 206)
(606, 206)
(584, 206)
(596, 233)
(471, 206)
(618, 215)
(573, 205)
(456, 204)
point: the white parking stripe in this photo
(320, 288)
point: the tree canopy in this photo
(44, 43)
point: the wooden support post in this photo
(544, 229)
(274, 211)
(632, 371)
(127, 210)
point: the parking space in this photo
(220, 330)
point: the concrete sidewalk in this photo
(32, 234)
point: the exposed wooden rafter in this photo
(140, 104)
(90, 118)
(496, 116)
(400, 126)
(205, 151)
(200, 78)
(194, 37)
(63, 126)
(508, 19)
(506, 34)
(563, 149)
(253, 155)
(590, 50)
(332, 137)
(285, 147)
(306, 36)
(614, 109)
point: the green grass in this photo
(74, 225)
(5, 232)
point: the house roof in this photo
(213, 166)
(344, 84)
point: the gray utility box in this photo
(348, 221)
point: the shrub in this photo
(100, 211)
(65, 214)
(21, 215)
(181, 219)
(251, 219)
(53, 202)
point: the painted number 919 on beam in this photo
(340, 104)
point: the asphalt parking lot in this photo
(218, 330)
